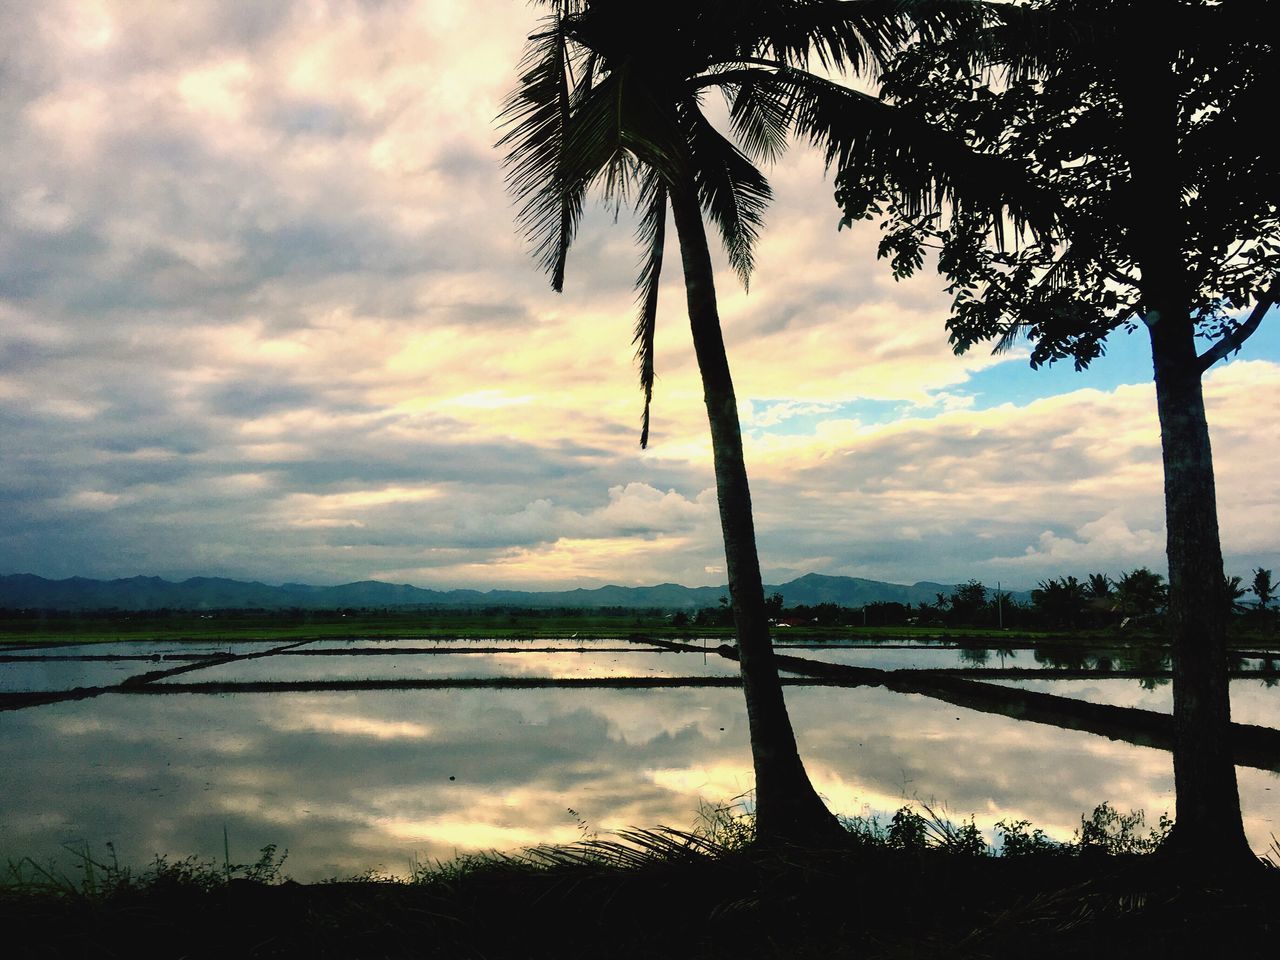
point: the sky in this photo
(264, 314)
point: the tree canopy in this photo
(1143, 141)
(1057, 86)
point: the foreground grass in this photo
(916, 887)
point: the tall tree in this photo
(610, 96)
(968, 605)
(1061, 602)
(1262, 587)
(1098, 586)
(1232, 590)
(1141, 593)
(1168, 220)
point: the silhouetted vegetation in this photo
(1130, 607)
(1152, 208)
(916, 884)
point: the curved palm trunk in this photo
(787, 806)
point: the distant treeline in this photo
(303, 615)
(1135, 599)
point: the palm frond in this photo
(856, 36)
(928, 166)
(731, 191)
(1032, 42)
(1015, 331)
(537, 115)
(760, 115)
(651, 233)
(616, 122)
(635, 849)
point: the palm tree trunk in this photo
(787, 806)
(1208, 825)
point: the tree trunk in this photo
(1208, 826)
(787, 806)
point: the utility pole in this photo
(999, 605)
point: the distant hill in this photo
(26, 591)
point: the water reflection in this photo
(349, 781)
(565, 664)
(1253, 700)
(139, 648)
(400, 644)
(902, 658)
(1155, 663)
(42, 675)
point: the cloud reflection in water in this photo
(348, 781)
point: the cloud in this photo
(1103, 542)
(261, 291)
(772, 414)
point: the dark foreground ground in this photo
(680, 897)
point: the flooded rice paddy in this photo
(349, 780)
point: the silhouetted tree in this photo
(610, 95)
(884, 614)
(1099, 600)
(968, 604)
(1262, 588)
(1098, 586)
(1232, 591)
(1145, 136)
(1141, 593)
(1061, 602)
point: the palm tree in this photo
(1097, 591)
(1232, 590)
(1098, 586)
(1062, 601)
(1140, 593)
(1262, 587)
(610, 96)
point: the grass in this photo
(265, 625)
(914, 886)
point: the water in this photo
(1252, 700)
(479, 644)
(142, 648)
(483, 665)
(348, 781)
(65, 673)
(904, 658)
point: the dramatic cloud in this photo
(264, 313)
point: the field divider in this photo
(104, 657)
(432, 651)
(1252, 746)
(677, 646)
(22, 699)
(446, 683)
(142, 679)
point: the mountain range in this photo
(27, 591)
